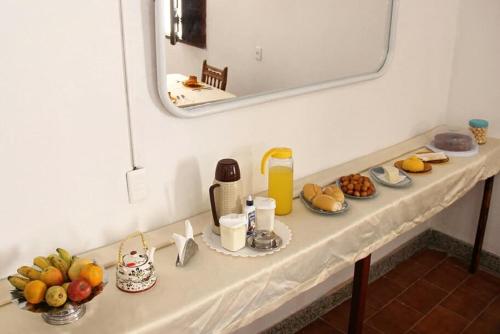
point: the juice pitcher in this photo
(280, 184)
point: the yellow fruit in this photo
(18, 282)
(52, 276)
(34, 291)
(56, 296)
(61, 265)
(65, 255)
(74, 270)
(65, 286)
(41, 262)
(413, 164)
(29, 272)
(92, 273)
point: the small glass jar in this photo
(479, 128)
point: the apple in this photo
(79, 290)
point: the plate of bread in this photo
(357, 186)
(326, 201)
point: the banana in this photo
(29, 272)
(65, 255)
(61, 265)
(50, 257)
(41, 262)
(18, 282)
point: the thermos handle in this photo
(212, 203)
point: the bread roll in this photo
(311, 191)
(327, 203)
(334, 192)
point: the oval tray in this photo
(311, 207)
(212, 240)
(356, 197)
(377, 172)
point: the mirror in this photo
(216, 55)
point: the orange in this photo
(92, 273)
(52, 276)
(34, 291)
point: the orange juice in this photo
(281, 188)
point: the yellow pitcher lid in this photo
(276, 152)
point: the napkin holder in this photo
(186, 246)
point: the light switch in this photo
(136, 184)
(258, 53)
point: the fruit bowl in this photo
(58, 286)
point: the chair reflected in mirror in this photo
(214, 76)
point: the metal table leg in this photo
(481, 225)
(359, 290)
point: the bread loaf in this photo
(311, 191)
(335, 192)
(327, 203)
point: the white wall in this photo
(63, 129)
(64, 137)
(475, 93)
(303, 42)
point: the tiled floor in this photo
(429, 293)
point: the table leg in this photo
(481, 225)
(359, 290)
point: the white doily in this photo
(213, 241)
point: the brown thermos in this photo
(225, 192)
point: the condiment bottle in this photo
(280, 181)
(249, 212)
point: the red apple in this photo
(79, 290)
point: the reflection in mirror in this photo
(225, 50)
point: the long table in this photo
(218, 294)
(190, 97)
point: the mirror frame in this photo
(251, 100)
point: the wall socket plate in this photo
(136, 185)
(258, 53)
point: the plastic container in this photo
(280, 183)
(479, 128)
(264, 213)
(233, 231)
(249, 212)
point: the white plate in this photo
(378, 175)
(212, 240)
(472, 152)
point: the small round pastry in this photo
(413, 164)
(327, 203)
(334, 192)
(311, 191)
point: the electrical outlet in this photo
(136, 185)
(258, 53)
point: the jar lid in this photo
(265, 203)
(227, 170)
(478, 123)
(233, 220)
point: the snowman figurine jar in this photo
(135, 271)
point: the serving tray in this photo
(212, 240)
